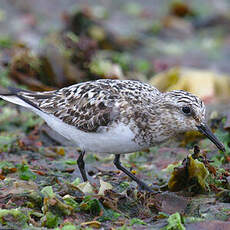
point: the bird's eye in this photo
(186, 110)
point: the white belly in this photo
(117, 140)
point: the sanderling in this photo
(115, 116)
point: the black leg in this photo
(120, 167)
(81, 165)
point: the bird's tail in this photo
(14, 97)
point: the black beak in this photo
(207, 132)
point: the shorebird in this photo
(115, 116)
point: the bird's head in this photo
(188, 112)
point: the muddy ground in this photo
(46, 45)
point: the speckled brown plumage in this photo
(91, 105)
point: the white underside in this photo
(117, 140)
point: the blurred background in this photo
(170, 44)
(49, 44)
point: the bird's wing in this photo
(89, 105)
(85, 106)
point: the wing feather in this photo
(89, 105)
(86, 108)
